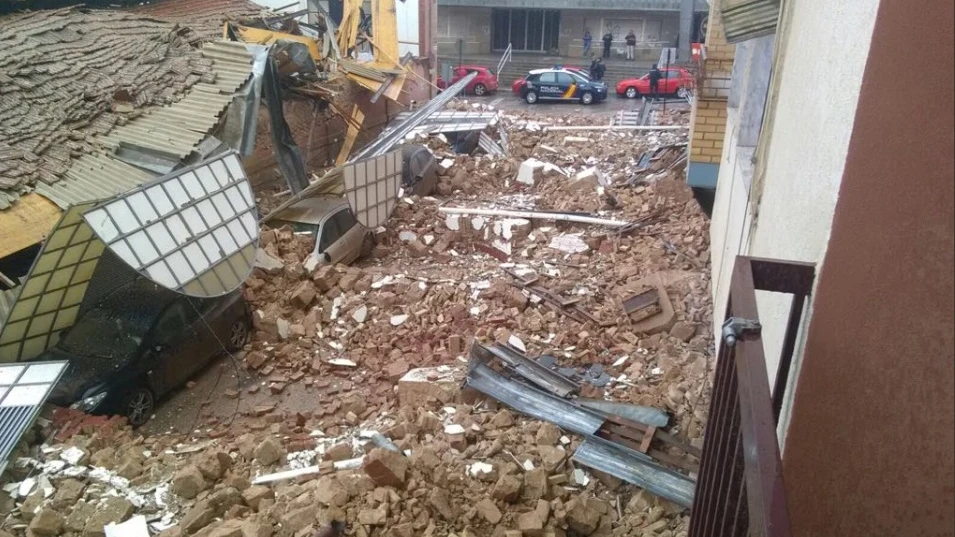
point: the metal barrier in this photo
(506, 57)
(740, 490)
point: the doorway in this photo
(530, 30)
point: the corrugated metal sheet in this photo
(93, 177)
(748, 19)
(23, 390)
(490, 146)
(176, 130)
(637, 469)
(533, 402)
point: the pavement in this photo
(506, 100)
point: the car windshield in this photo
(109, 332)
(297, 227)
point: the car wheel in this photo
(631, 93)
(587, 98)
(480, 90)
(530, 97)
(139, 406)
(238, 335)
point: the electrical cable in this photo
(235, 365)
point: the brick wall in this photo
(709, 111)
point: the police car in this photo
(561, 85)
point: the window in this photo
(564, 79)
(171, 323)
(330, 234)
(345, 220)
(533, 78)
(549, 77)
(297, 227)
(674, 74)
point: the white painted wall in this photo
(820, 57)
(406, 15)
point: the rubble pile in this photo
(381, 346)
(461, 470)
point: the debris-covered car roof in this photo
(312, 210)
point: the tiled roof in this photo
(59, 71)
(203, 16)
(173, 130)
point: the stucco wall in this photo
(472, 24)
(870, 446)
(805, 137)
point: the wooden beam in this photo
(354, 125)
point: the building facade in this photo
(709, 111)
(556, 27)
(823, 161)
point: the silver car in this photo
(339, 237)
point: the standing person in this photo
(588, 39)
(593, 68)
(607, 39)
(655, 76)
(599, 69)
(631, 45)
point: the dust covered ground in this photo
(324, 365)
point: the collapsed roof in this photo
(70, 76)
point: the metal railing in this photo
(506, 57)
(740, 490)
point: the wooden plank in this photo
(26, 223)
(354, 124)
(386, 31)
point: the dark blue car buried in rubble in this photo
(562, 85)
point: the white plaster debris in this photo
(454, 428)
(569, 243)
(479, 469)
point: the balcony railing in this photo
(740, 490)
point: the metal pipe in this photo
(617, 128)
(560, 217)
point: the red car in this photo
(518, 84)
(485, 82)
(673, 80)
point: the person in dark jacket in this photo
(597, 69)
(588, 40)
(631, 45)
(655, 76)
(608, 40)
